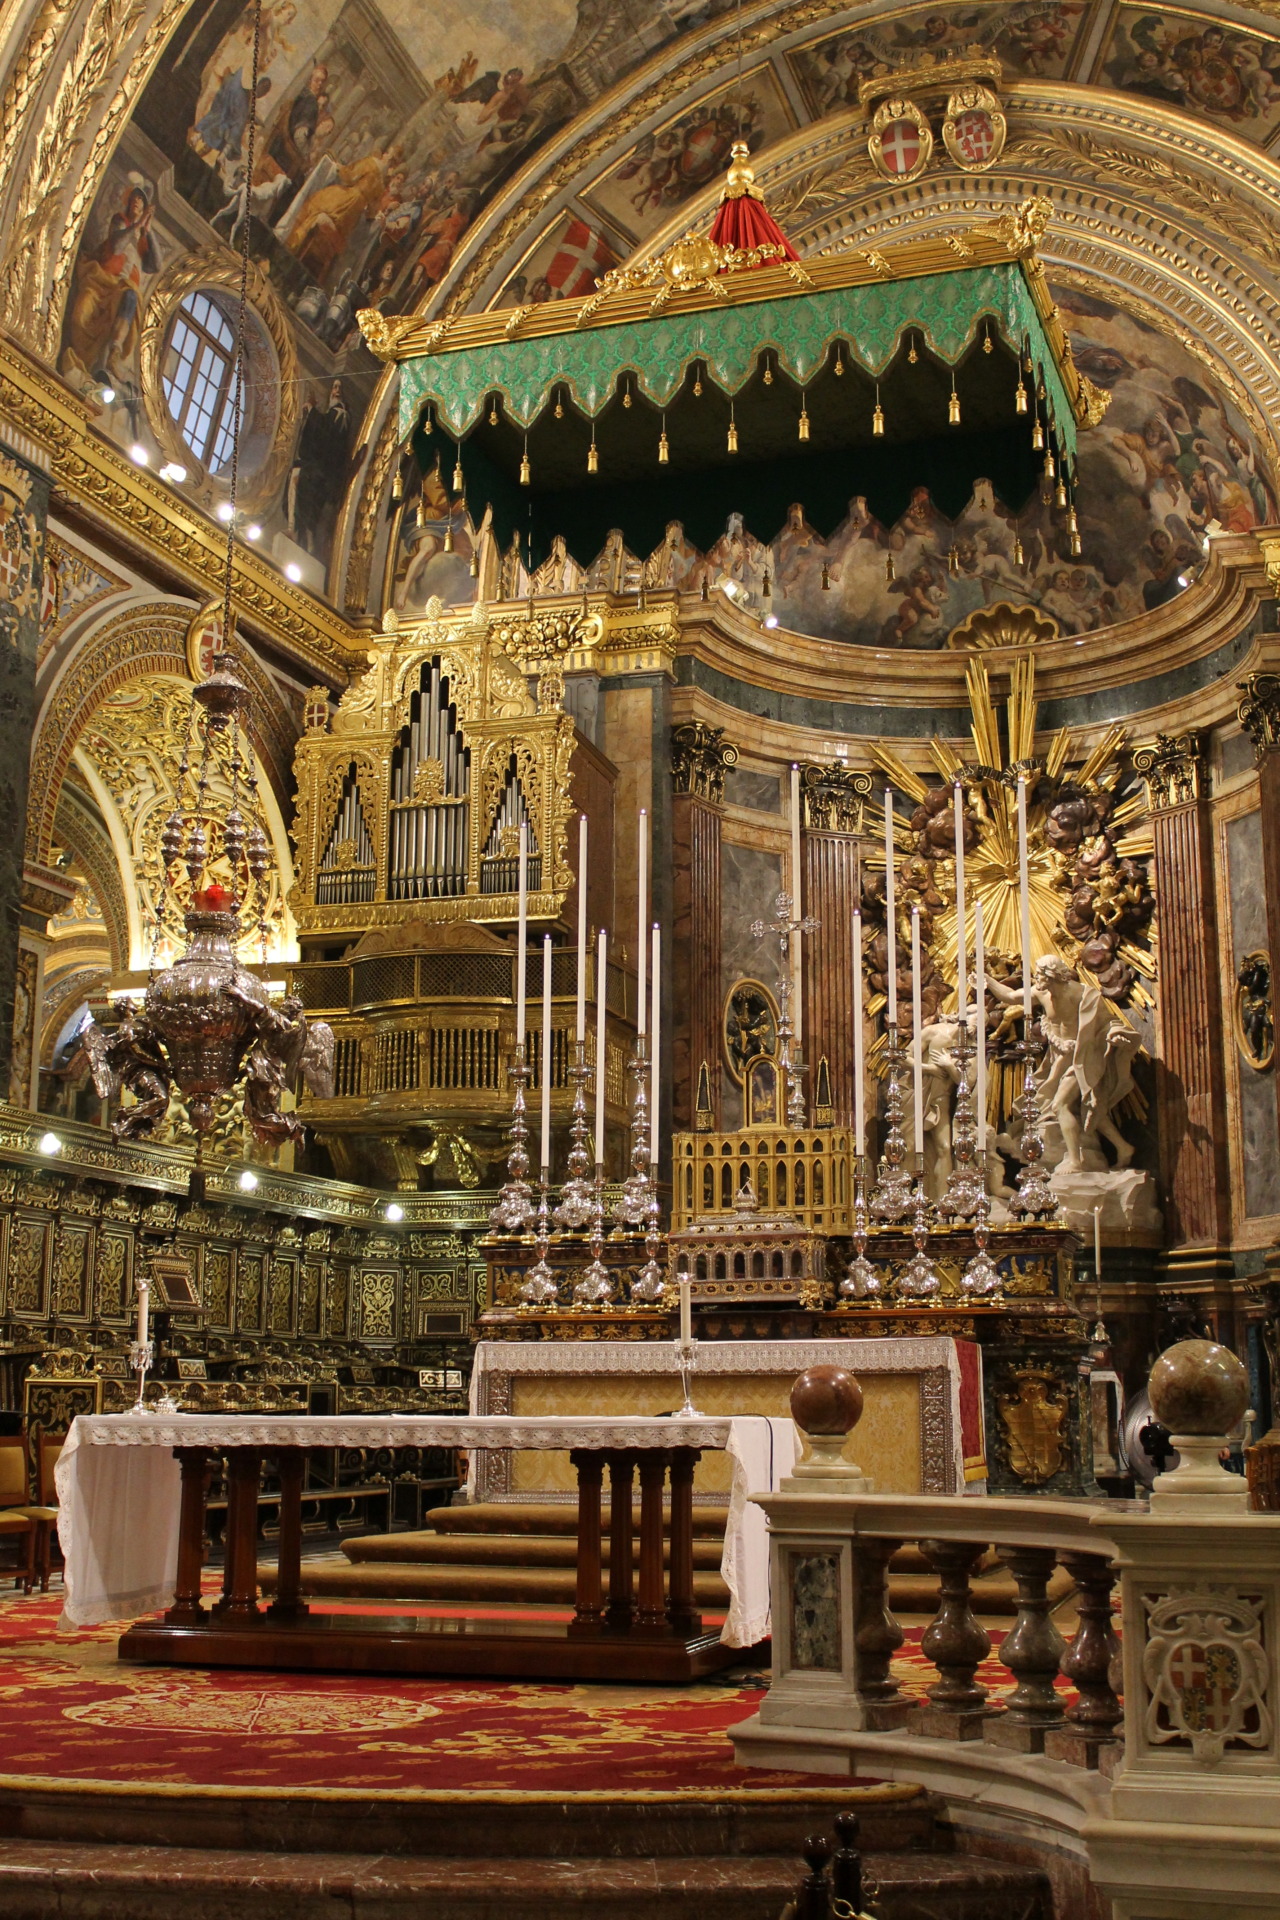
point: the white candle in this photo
(522, 937)
(797, 1008)
(859, 1101)
(917, 1054)
(602, 951)
(980, 995)
(686, 1311)
(1097, 1245)
(580, 1028)
(1024, 897)
(144, 1301)
(546, 1054)
(642, 868)
(890, 907)
(653, 1065)
(961, 983)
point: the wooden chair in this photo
(16, 1516)
(16, 1505)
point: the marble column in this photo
(1190, 1068)
(1259, 715)
(44, 893)
(24, 505)
(699, 756)
(832, 801)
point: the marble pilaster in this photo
(1259, 715)
(699, 756)
(24, 503)
(1190, 1079)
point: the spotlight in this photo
(49, 1143)
(1184, 579)
(395, 1211)
(138, 454)
(172, 472)
(292, 571)
(253, 531)
(248, 1181)
(225, 512)
(771, 619)
(107, 395)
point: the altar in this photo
(921, 1430)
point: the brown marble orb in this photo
(826, 1400)
(1198, 1387)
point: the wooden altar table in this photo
(132, 1492)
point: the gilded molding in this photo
(699, 756)
(1259, 711)
(89, 470)
(373, 481)
(833, 798)
(1171, 768)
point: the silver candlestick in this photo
(861, 1281)
(686, 1353)
(142, 1355)
(650, 1286)
(966, 1183)
(539, 1289)
(633, 1205)
(891, 1195)
(981, 1277)
(1034, 1195)
(919, 1280)
(514, 1211)
(575, 1208)
(785, 927)
(594, 1287)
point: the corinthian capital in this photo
(1171, 768)
(1259, 710)
(699, 756)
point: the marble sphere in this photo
(826, 1400)
(1198, 1387)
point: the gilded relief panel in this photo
(250, 1266)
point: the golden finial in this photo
(741, 182)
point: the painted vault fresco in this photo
(1208, 66)
(1171, 459)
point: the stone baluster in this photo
(1032, 1651)
(1090, 1729)
(877, 1637)
(956, 1644)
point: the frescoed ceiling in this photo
(455, 159)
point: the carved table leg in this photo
(240, 1580)
(956, 1644)
(589, 1608)
(621, 1527)
(291, 1464)
(1031, 1650)
(680, 1608)
(186, 1607)
(1089, 1734)
(877, 1637)
(651, 1612)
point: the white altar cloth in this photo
(119, 1489)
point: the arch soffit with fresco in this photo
(136, 644)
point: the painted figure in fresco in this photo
(102, 325)
(295, 142)
(322, 467)
(222, 108)
(328, 218)
(1225, 74)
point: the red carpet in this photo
(74, 1713)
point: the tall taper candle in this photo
(546, 1053)
(686, 1310)
(797, 995)
(602, 956)
(580, 1030)
(144, 1302)
(1024, 901)
(917, 1052)
(522, 935)
(654, 1049)
(980, 997)
(642, 934)
(961, 982)
(859, 1096)
(890, 908)
(1097, 1249)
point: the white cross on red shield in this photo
(900, 146)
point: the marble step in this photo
(44, 1882)
(546, 1517)
(332, 1576)
(493, 1550)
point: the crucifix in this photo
(789, 931)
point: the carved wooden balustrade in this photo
(1146, 1746)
